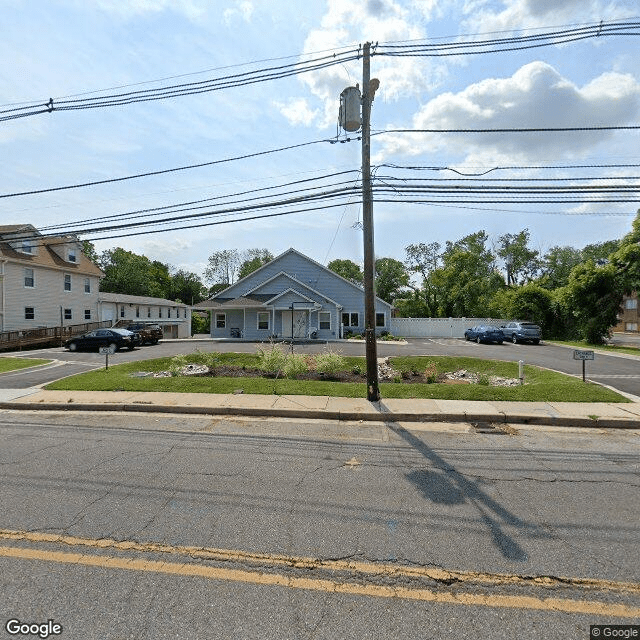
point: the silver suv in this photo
(521, 332)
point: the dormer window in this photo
(72, 255)
(26, 247)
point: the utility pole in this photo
(373, 390)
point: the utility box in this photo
(349, 117)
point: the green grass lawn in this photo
(581, 344)
(541, 384)
(9, 363)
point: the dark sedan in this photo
(484, 333)
(113, 338)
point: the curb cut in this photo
(350, 416)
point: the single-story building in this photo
(292, 295)
(173, 317)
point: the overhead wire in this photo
(629, 27)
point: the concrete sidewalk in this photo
(574, 414)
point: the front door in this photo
(299, 324)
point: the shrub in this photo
(295, 365)
(271, 360)
(330, 363)
(177, 364)
(431, 373)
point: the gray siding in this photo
(330, 292)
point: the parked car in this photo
(521, 332)
(484, 333)
(149, 333)
(93, 340)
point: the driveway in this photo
(621, 373)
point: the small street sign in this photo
(106, 351)
(583, 355)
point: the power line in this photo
(514, 43)
(160, 172)
(182, 89)
(515, 129)
(456, 48)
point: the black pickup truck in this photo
(149, 333)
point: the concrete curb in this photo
(351, 416)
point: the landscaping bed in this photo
(403, 377)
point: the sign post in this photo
(106, 351)
(584, 356)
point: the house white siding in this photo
(32, 284)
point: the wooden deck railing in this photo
(12, 340)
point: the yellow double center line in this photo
(265, 574)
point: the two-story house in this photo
(45, 281)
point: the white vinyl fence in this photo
(437, 327)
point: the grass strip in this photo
(614, 348)
(11, 363)
(541, 385)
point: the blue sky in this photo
(70, 47)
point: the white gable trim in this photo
(290, 277)
(311, 260)
(289, 290)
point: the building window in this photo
(29, 313)
(68, 315)
(122, 311)
(185, 312)
(87, 314)
(631, 326)
(324, 320)
(351, 319)
(168, 313)
(29, 280)
(380, 320)
(137, 312)
(631, 303)
(221, 320)
(67, 282)
(27, 246)
(148, 312)
(87, 285)
(72, 255)
(159, 312)
(263, 319)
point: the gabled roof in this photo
(46, 257)
(247, 302)
(290, 277)
(7, 229)
(286, 292)
(360, 290)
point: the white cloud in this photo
(243, 9)
(165, 250)
(536, 96)
(297, 111)
(350, 22)
(518, 14)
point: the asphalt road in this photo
(191, 527)
(618, 372)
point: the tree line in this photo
(571, 293)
